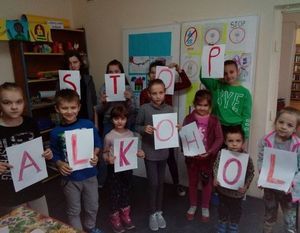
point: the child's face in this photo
(234, 141)
(68, 110)
(152, 73)
(114, 69)
(157, 94)
(119, 122)
(202, 107)
(11, 103)
(230, 74)
(285, 125)
(74, 63)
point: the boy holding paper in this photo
(230, 209)
(80, 185)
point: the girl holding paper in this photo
(16, 129)
(201, 166)
(119, 183)
(283, 137)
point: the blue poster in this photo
(17, 29)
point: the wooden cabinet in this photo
(295, 90)
(36, 66)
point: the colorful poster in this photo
(69, 79)
(115, 87)
(125, 151)
(165, 133)
(232, 169)
(29, 167)
(278, 169)
(3, 31)
(192, 143)
(40, 32)
(80, 148)
(17, 30)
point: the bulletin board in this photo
(239, 34)
(143, 46)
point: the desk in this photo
(25, 220)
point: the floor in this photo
(174, 211)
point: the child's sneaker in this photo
(116, 223)
(233, 228)
(125, 217)
(95, 230)
(180, 190)
(205, 215)
(191, 212)
(160, 220)
(153, 224)
(222, 227)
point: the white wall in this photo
(13, 9)
(298, 36)
(104, 23)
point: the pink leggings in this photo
(194, 173)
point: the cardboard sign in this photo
(166, 133)
(167, 75)
(192, 143)
(69, 79)
(213, 61)
(29, 166)
(80, 148)
(278, 169)
(115, 87)
(232, 169)
(125, 150)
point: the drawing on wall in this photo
(17, 29)
(138, 82)
(213, 33)
(190, 65)
(138, 64)
(40, 32)
(3, 34)
(190, 36)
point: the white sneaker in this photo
(153, 224)
(160, 220)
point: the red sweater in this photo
(185, 83)
(214, 139)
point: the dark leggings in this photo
(119, 186)
(173, 168)
(156, 174)
(230, 209)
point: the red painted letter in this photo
(157, 130)
(75, 151)
(211, 55)
(114, 77)
(170, 75)
(191, 141)
(123, 159)
(270, 177)
(69, 82)
(24, 165)
(238, 174)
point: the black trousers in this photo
(230, 209)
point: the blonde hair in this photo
(289, 110)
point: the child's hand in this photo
(127, 94)
(102, 98)
(174, 65)
(140, 154)
(216, 183)
(63, 168)
(47, 154)
(179, 126)
(204, 155)
(149, 129)
(110, 159)
(242, 189)
(4, 167)
(94, 160)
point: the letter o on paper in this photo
(157, 130)
(239, 171)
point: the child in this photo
(156, 160)
(119, 183)
(283, 138)
(81, 185)
(201, 166)
(104, 108)
(16, 129)
(144, 98)
(230, 209)
(88, 96)
(232, 102)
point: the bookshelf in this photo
(295, 89)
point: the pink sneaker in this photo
(125, 217)
(116, 223)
